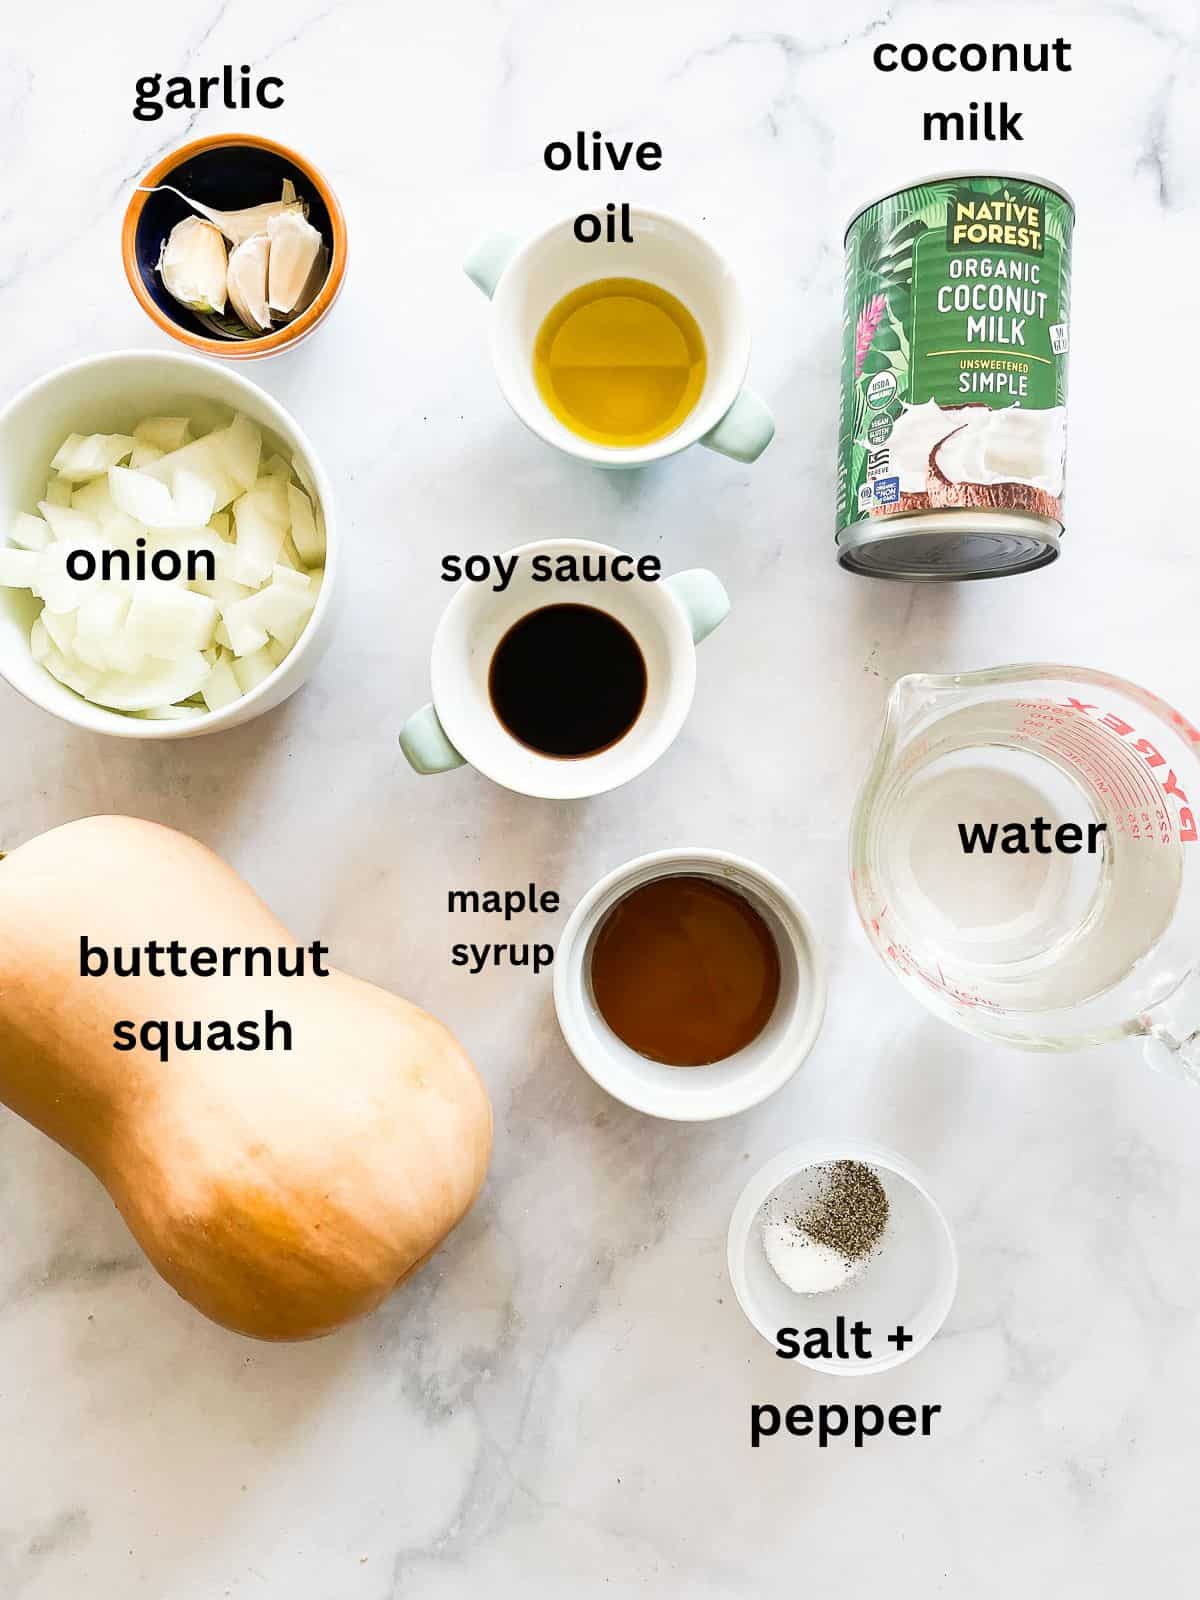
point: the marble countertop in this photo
(558, 1404)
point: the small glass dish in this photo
(909, 1282)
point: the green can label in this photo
(954, 351)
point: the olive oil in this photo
(620, 362)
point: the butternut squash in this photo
(281, 1193)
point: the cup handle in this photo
(703, 598)
(424, 742)
(745, 430)
(488, 260)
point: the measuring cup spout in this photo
(912, 698)
(907, 702)
(908, 697)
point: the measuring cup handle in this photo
(1174, 1058)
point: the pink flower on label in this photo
(869, 319)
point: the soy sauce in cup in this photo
(568, 681)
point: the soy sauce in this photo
(568, 680)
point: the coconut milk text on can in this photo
(954, 379)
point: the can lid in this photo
(944, 177)
(949, 546)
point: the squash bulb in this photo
(282, 1194)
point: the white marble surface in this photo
(558, 1405)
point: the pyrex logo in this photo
(1153, 758)
(998, 221)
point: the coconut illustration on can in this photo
(953, 425)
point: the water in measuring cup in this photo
(1024, 930)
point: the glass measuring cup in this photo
(1084, 930)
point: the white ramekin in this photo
(693, 1094)
(525, 280)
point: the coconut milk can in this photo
(954, 379)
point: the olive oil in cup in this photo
(625, 353)
(620, 362)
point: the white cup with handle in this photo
(667, 617)
(526, 280)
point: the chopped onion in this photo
(254, 669)
(244, 627)
(243, 450)
(62, 627)
(58, 492)
(99, 638)
(261, 520)
(66, 523)
(81, 458)
(206, 459)
(170, 623)
(307, 537)
(222, 687)
(168, 648)
(20, 569)
(145, 455)
(158, 683)
(29, 532)
(163, 433)
(94, 500)
(187, 504)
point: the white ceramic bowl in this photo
(693, 1094)
(109, 394)
(910, 1282)
(525, 281)
(667, 619)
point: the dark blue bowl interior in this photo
(228, 178)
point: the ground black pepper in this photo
(849, 1212)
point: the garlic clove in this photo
(295, 247)
(248, 282)
(316, 279)
(237, 226)
(192, 265)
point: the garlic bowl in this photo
(228, 172)
(107, 394)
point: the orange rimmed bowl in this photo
(227, 171)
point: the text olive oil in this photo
(620, 362)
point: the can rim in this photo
(977, 172)
(897, 529)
